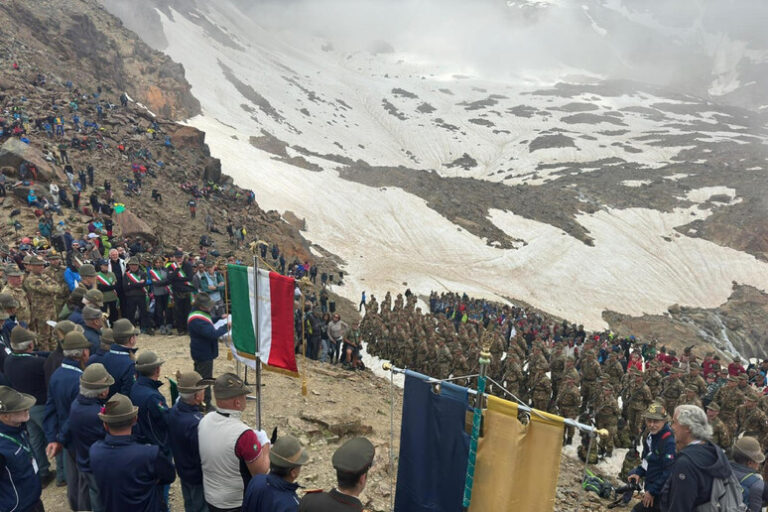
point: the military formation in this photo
(599, 379)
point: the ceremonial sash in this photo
(103, 279)
(181, 273)
(153, 275)
(132, 278)
(199, 315)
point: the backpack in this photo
(594, 483)
(726, 496)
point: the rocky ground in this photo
(338, 405)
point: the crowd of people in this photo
(619, 384)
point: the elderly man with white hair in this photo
(698, 463)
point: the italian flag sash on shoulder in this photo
(275, 318)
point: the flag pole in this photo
(258, 341)
(477, 418)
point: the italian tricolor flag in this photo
(275, 318)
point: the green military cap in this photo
(8, 301)
(693, 365)
(191, 382)
(148, 360)
(229, 385)
(75, 341)
(91, 313)
(635, 372)
(77, 294)
(287, 452)
(13, 401)
(22, 335)
(692, 388)
(26, 259)
(133, 260)
(107, 336)
(713, 406)
(53, 256)
(743, 376)
(67, 326)
(95, 297)
(750, 448)
(731, 378)
(118, 409)
(96, 377)
(203, 301)
(35, 261)
(354, 456)
(750, 397)
(123, 329)
(676, 371)
(655, 411)
(87, 270)
(13, 270)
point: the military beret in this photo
(67, 326)
(123, 329)
(354, 456)
(191, 382)
(8, 301)
(656, 411)
(34, 260)
(713, 406)
(287, 452)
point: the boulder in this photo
(187, 137)
(212, 171)
(13, 152)
(129, 224)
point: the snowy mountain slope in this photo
(638, 168)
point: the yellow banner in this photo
(517, 465)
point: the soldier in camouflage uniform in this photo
(556, 369)
(590, 371)
(568, 403)
(513, 374)
(443, 359)
(607, 415)
(639, 398)
(614, 370)
(653, 377)
(753, 422)
(15, 288)
(694, 378)
(541, 391)
(691, 397)
(730, 398)
(631, 461)
(721, 436)
(41, 292)
(673, 389)
(55, 273)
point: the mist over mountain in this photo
(601, 160)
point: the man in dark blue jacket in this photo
(204, 339)
(93, 320)
(19, 486)
(180, 273)
(118, 360)
(698, 463)
(62, 391)
(276, 491)
(152, 427)
(129, 475)
(83, 427)
(182, 428)
(25, 370)
(658, 458)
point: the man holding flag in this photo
(204, 339)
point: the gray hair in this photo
(24, 345)
(189, 397)
(91, 393)
(694, 417)
(75, 353)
